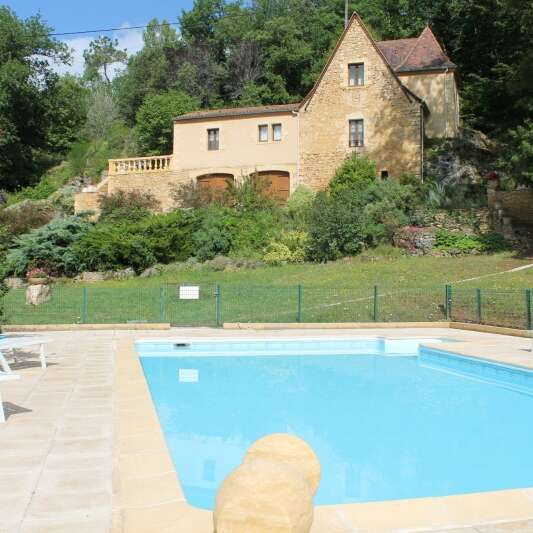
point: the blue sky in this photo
(68, 15)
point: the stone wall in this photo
(516, 204)
(87, 201)
(160, 184)
(392, 119)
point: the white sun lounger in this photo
(12, 343)
(4, 376)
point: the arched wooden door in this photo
(214, 183)
(277, 184)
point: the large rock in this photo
(287, 449)
(38, 294)
(417, 241)
(263, 496)
(272, 490)
(90, 277)
(14, 283)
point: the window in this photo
(356, 74)
(212, 139)
(263, 133)
(276, 132)
(357, 133)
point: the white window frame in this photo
(358, 79)
(356, 132)
(274, 126)
(213, 144)
(262, 128)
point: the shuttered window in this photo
(357, 133)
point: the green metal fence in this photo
(217, 304)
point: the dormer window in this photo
(356, 74)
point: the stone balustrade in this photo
(140, 165)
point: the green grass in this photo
(409, 289)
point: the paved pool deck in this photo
(82, 449)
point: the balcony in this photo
(140, 165)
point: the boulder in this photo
(126, 273)
(14, 283)
(38, 294)
(91, 277)
(417, 241)
(261, 496)
(288, 449)
(150, 272)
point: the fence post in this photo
(478, 301)
(218, 310)
(300, 294)
(528, 309)
(376, 303)
(448, 303)
(162, 306)
(84, 306)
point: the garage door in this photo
(216, 183)
(277, 184)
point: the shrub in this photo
(48, 247)
(357, 172)
(299, 206)
(215, 232)
(136, 244)
(254, 231)
(3, 291)
(336, 227)
(24, 217)
(127, 205)
(291, 248)
(190, 195)
(489, 242)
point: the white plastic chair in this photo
(12, 343)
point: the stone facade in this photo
(518, 205)
(392, 117)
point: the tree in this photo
(521, 159)
(102, 112)
(154, 120)
(102, 53)
(27, 86)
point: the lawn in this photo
(408, 289)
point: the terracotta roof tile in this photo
(238, 111)
(422, 53)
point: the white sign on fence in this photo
(189, 292)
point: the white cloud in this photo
(131, 40)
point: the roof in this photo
(420, 53)
(355, 17)
(238, 112)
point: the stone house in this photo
(380, 99)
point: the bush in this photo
(291, 248)
(127, 206)
(299, 206)
(357, 172)
(136, 244)
(447, 241)
(48, 247)
(155, 119)
(24, 217)
(215, 232)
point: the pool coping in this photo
(147, 493)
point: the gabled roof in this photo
(355, 17)
(238, 112)
(411, 55)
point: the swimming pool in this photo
(387, 420)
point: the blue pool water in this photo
(385, 421)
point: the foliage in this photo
(215, 232)
(158, 238)
(24, 217)
(28, 93)
(49, 247)
(126, 206)
(102, 113)
(357, 172)
(299, 206)
(101, 54)
(36, 273)
(520, 161)
(291, 248)
(155, 120)
(455, 241)
(3, 291)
